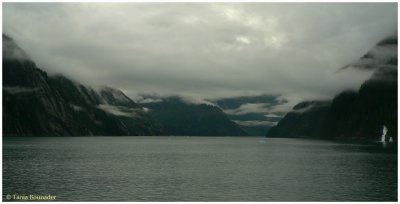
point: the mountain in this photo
(181, 117)
(305, 120)
(383, 54)
(363, 114)
(35, 104)
(358, 114)
(254, 114)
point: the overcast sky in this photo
(203, 50)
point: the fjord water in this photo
(197, 169)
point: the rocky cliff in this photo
(36, 104)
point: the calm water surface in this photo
(197, 169)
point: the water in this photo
(197, 169)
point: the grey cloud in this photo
(271, 115)
(115, 110)
(12, 51)
(377, 57)
(203, 50)
(148, 100)
(19, 89)
(255, 123)
(249, 108)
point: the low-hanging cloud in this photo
(203, 50)
(116, 110)
(249, 108)
(255, 122)
(19, 89)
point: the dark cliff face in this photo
(35, 104)
(363, 114)
(305, 120)
(358, 114)
(179, 117)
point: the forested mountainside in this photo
(180, 117)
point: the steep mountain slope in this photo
(305, 120)
(180, 117)
(357, 115)
(35, 104)
(363, 114)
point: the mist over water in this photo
(198, 169)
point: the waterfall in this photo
(384, 131)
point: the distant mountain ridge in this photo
(254, 114)
(35, 104)
(180, 117)
(358, 114)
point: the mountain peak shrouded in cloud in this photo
(352, 114)
(190, 118)
(383, 54)
(12, 51)
(203, 50)
(36, 104)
